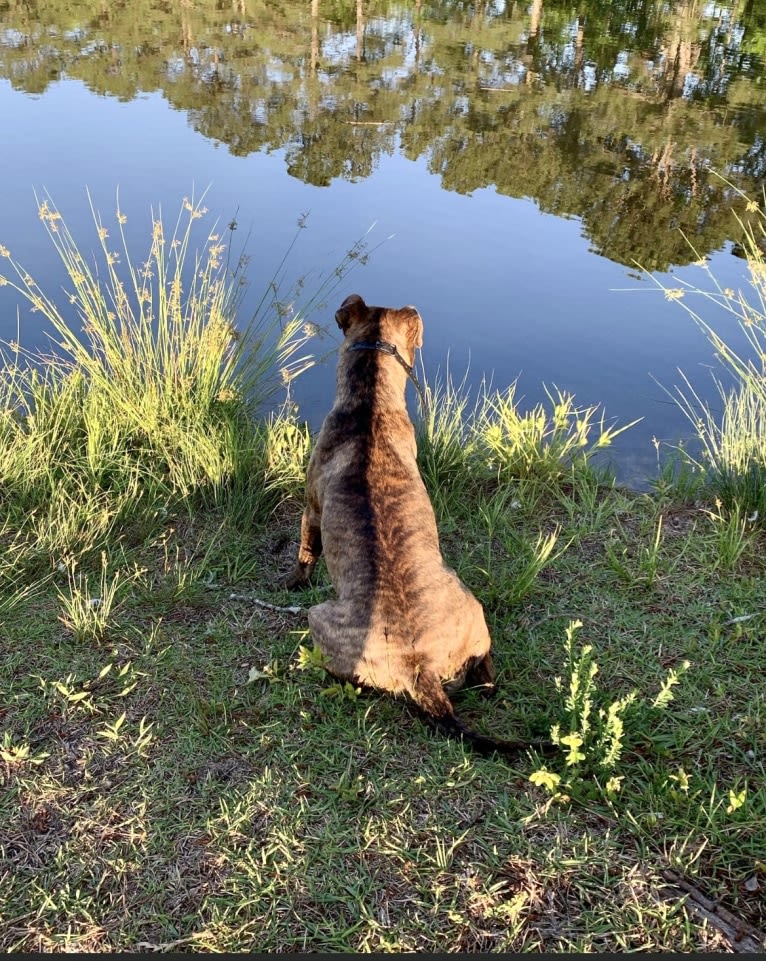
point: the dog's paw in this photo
(297, 579)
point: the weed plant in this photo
(446, 455)
(593, 733)
(86, 611)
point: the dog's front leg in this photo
(309, 550)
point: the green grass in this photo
(180, 778)
(177, 772)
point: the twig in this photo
(744, 938)
(165, 946)
(742, 618)
(269, 607)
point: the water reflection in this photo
(612, 112)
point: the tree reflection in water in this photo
(613, 112)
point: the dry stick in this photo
(269, 607)
(741, 619)
(744, 938)
(164, 946)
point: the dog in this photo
(402, 621)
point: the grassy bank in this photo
(176, 771)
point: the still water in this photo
(513, 163)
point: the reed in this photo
(151, 394)
(732, 435)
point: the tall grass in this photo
(544, 442)
(733, 440)
(150, 393)
(462, 443)
(445, 443)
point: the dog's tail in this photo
(428, 694)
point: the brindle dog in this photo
(402, 620)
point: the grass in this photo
(179, 774)
(181, 778)
(148, 399)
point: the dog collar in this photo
(388, 348)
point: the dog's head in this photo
(402, 327)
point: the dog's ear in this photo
(414, 324)
(348, 311)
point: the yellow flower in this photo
(736, 800)
(215, 252)
(44, 212)
(545, 778)
(614, 784)
(194, 211)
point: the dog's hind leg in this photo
(482, 674)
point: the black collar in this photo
(387, 348)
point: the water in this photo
(516, 162)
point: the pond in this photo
(513, 164)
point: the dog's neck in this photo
(386, 347)
(370, 380)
